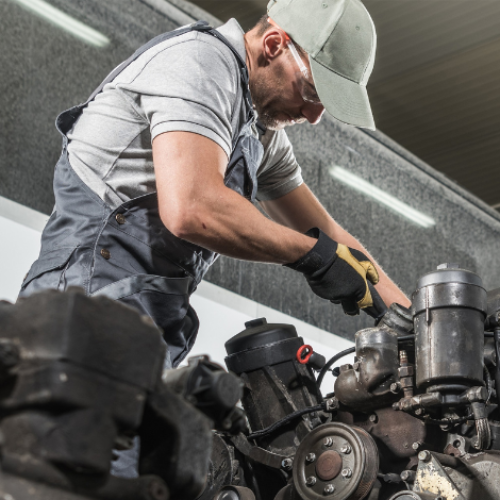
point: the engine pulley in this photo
(337, 461)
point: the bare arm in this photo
(301, 210)
(196, 206)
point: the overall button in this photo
(120, 218)
(105, 253)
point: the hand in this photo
(341, 274)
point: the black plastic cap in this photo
(259, 334)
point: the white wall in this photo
(222, 313)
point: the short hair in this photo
(263, 25)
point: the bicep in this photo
(187, 167)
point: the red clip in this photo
(308, 353)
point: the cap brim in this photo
(342, 98)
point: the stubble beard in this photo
(267, 101)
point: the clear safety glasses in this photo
(306, 87)
(304, 77)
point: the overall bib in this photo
(126, 253)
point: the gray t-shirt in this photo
(188, 83)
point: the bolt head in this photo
(395, 387)
(287, 463)
(346, 449)
(415, 446)
(346, 473)
(310, 457)
(328, 489)
(311, 481)
(373, 418)
(419, 411)
(328, 441)
(424, 455)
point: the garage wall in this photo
(410, 217)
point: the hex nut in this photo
(328, 441)
(287, 464)
(346, 473)
(395, 387)
(311, 481)
(416, 445)
(345, 449)
(328, 489)
(373, 418)
(310, 457)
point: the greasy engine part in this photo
(276, 387)
(449, 308)
(369, 383)
(275, 383)
(235, 493)
(337, 461)
(411, 495)
(82, 375)
(398, 435)
(210, 389)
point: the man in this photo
(160, 164)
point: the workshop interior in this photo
(283, 396)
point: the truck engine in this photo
(414, 417)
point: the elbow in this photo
(184, 223)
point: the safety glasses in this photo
(304, 77)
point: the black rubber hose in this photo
(333, 360)
(285, 420)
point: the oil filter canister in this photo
(449, 309)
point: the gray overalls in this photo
(127, 253)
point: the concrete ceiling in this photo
(435, 86)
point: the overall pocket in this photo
(47, 272)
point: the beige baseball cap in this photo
(340, 38)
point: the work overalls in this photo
(126, 253)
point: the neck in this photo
(250, 51)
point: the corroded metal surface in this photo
(432, 478)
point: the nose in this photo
(312, 112)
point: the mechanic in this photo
(160, 166)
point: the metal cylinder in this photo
(265, 357)
(367, 384)
(449, 309)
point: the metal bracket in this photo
(432, 478)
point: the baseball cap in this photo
(340, 38)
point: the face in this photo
(278, 93)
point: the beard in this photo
(267, 96)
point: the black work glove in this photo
(342, 275)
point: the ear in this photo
(273, 44)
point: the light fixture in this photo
(356, 182)
(65, 22)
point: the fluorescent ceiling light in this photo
(352, 180)
(65, 22)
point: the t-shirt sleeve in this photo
(280, 172)
(192, 87)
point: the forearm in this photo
(301, 210)
(226, 223)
